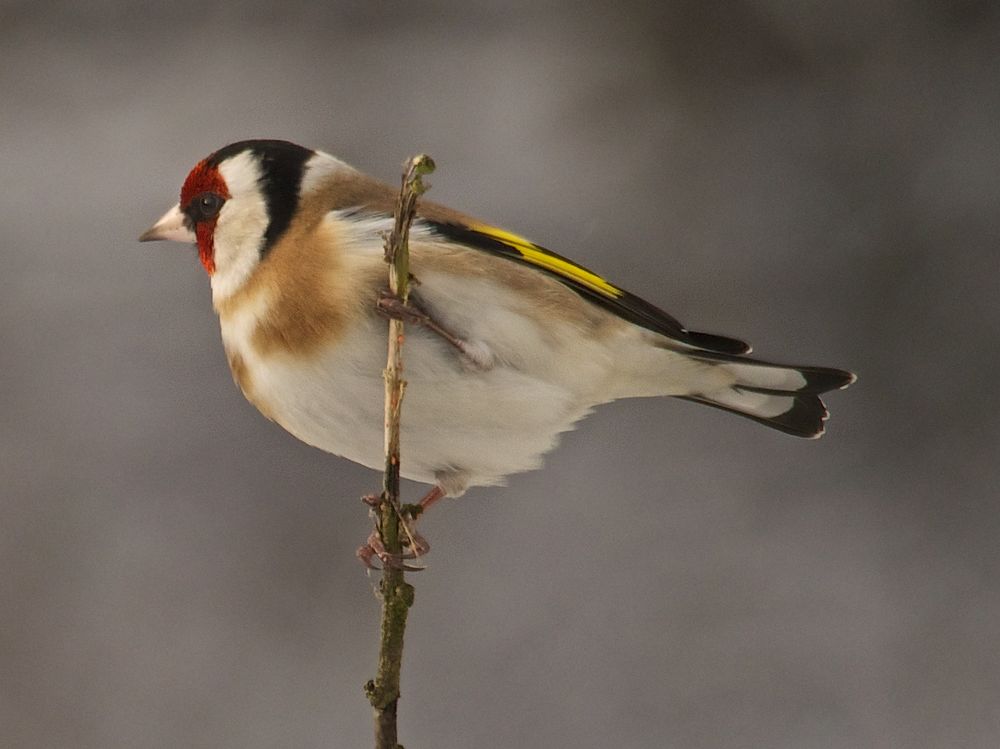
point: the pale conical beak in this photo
(172, 226)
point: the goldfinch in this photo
(518, 343)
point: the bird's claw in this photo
(391, 306)
(476, 356)
(374, 548)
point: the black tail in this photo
(782, 397)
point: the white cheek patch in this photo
(241, 173)
(239, 231)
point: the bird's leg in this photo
(417, 544)
(391, 306)
(429, 499)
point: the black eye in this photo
(206, 206)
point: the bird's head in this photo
(236, 203)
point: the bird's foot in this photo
(391, 306)
(416, 545)
(373, 549)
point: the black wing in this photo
(584, 282)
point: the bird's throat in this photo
(205, 232)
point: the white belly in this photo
(460, 426)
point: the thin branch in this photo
(396, 593)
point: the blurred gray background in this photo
(819, 178)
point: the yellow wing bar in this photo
(550, 261)
(586, 283)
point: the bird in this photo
(515, 343)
